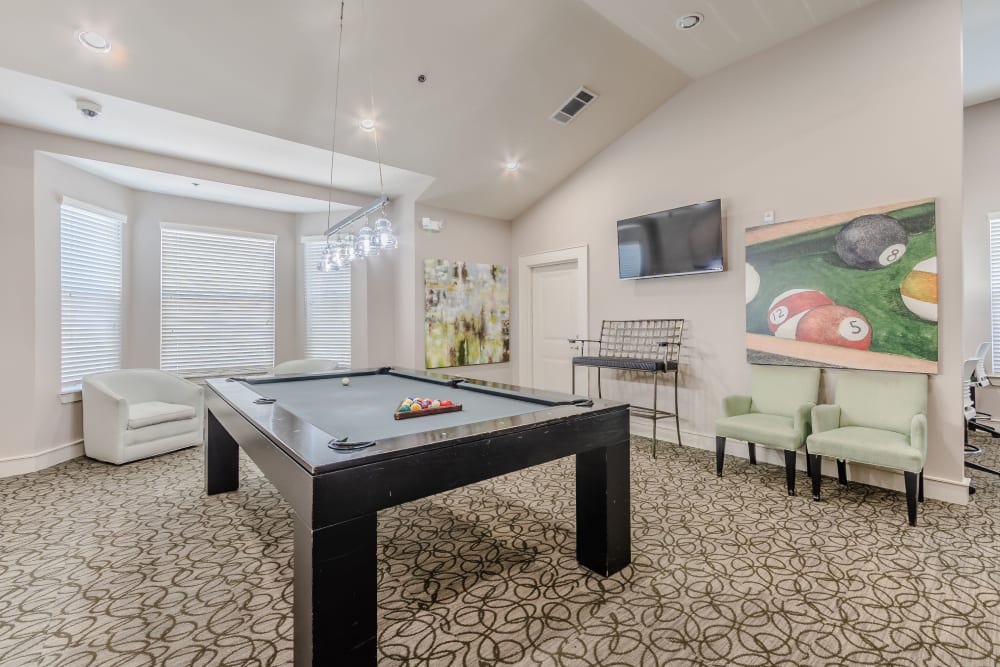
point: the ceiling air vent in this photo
(574, 105)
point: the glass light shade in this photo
(383, 231)
(364, 246)
(350, 251)
(326, 262)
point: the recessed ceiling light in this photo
(367, 124)
(94, 41)
(512, 165)
(689, 21)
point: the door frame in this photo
(525, 264)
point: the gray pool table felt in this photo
(363, 410)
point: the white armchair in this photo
(140, 412)
(298, 366)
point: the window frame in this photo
(993, 222)
(308, 264)
(222, 370)
(71, 392)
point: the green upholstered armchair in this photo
(877, 419)
(776, 414)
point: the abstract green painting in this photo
(466, 313)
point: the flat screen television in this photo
(677, 242)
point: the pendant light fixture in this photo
(343, 247)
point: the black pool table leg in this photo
(222, 458)
(603, 509)
(335, 589)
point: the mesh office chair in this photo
(974, 372)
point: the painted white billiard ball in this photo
(345, 381)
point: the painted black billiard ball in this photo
(871, 242)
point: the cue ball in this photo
(753, 282)
(835, 325)
(345, 381)
(788, 308)
(871, 242)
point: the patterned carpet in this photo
(134, 566)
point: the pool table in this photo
(337, 456)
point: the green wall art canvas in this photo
(850, 290)
(466, 313)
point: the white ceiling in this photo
(495, 70)
(249, 83)
(43, 104)
(981, 50)
(184, 186)
(732, 30)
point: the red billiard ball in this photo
(835, 325)
(788, 308)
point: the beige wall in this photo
(465, 237)
(864, 111)
(149, 210)
(981, 180)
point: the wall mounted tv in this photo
(672, 243)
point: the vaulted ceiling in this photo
(259, 75)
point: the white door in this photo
(554, 299)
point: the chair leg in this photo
(817, 469)
(790, 471)
(911, 496)
(752, 450)
(677, 412)
(920, 488)
(599, 382)
(572, 378)
(842, 472)
(720, 453)
(654, 414)
(809, 465)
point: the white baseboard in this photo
(25, 463)
(934, 487)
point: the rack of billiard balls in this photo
(421, 407)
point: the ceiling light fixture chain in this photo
(336, 104)
(342, 249)
(371, 95)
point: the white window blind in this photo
(328, 307)
(995, 287)
(216, 302)
(90, 275)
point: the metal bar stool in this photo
(644, 346)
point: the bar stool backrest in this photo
(640, 339)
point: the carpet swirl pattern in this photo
(135, 566)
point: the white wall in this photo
(57, 424)
(470, 238)
(40, 431)
(373, 299)
(981, 179)
(864, 111)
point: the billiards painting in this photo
(850, 290)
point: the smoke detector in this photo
(88, 108)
